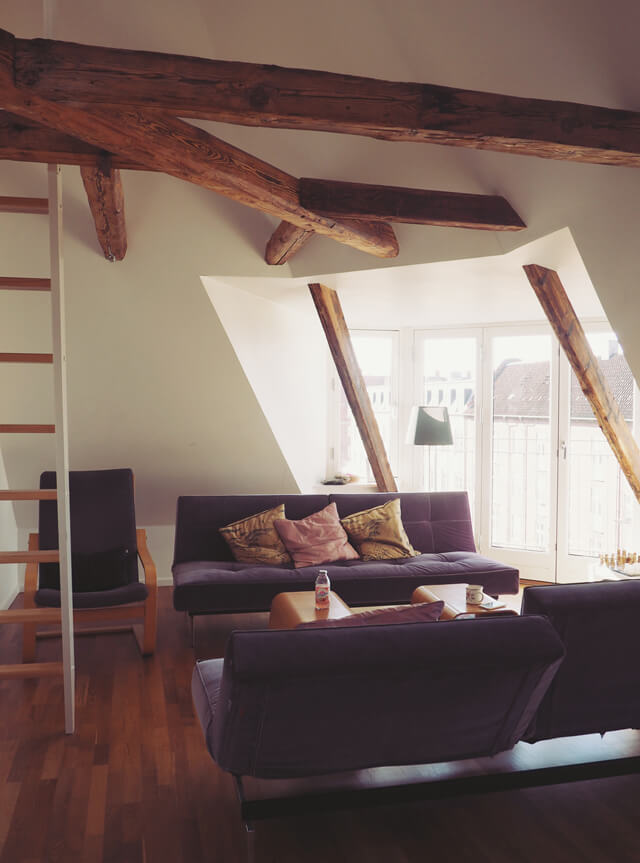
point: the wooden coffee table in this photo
(454, 596)
(290, 609)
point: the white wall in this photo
(284, 354)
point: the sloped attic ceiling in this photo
(573, 51)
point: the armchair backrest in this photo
(102, 513)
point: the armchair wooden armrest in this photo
(148, 644)
(148, 566)
(30, 587)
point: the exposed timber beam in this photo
(286, 240)
(22, 140)
(255, 95)
(329, 310)
(189, 153)
(103, 186)
(562, 317)
(414, 206)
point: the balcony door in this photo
(599, 513)
(520, 420)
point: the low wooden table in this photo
(290, 609)
(454, 596)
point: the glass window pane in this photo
(376, 355)
(449, 379)
(521, 442)
(601, 502)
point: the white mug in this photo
(475, 594)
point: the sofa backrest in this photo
(597, 689)
(434, 521)
(302, 702)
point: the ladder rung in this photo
(31, 669)
(26, 358)
(26, 494)
(30, 615)
(50, 556)
(27, 428)
(14, 283)
(24, 205)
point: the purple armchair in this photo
(105, 547)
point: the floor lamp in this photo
(429, 426)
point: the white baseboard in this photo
(165, 581)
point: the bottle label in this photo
(322, 596)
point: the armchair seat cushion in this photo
(134, 592)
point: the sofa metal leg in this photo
(247, 824)
(250, 833)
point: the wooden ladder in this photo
(59, 616)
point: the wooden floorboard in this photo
(136, 785)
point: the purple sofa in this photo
(208, 581)
(597, 689)
(315, 701)
(309, 701)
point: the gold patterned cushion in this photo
(255, 540)
(378, 533)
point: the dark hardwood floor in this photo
(136, 785)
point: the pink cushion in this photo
(422, 612)
(318, 538)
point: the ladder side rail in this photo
(62, 440)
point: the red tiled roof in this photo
(522, 389)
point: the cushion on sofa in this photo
(255, 540)
(422, 612)
(378, 533)
(318, 538)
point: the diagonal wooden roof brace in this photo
(564, 321)
(329, 310)
(174, 147)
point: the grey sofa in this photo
(207, 580)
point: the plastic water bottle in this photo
(323, 586)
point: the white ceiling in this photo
(447, 293)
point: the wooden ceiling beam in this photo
(329, 310)
(286, 240)
(22, 140)
(562, 317)
(105, 195)
(189, 153)
(413, 206)
(257, 95)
